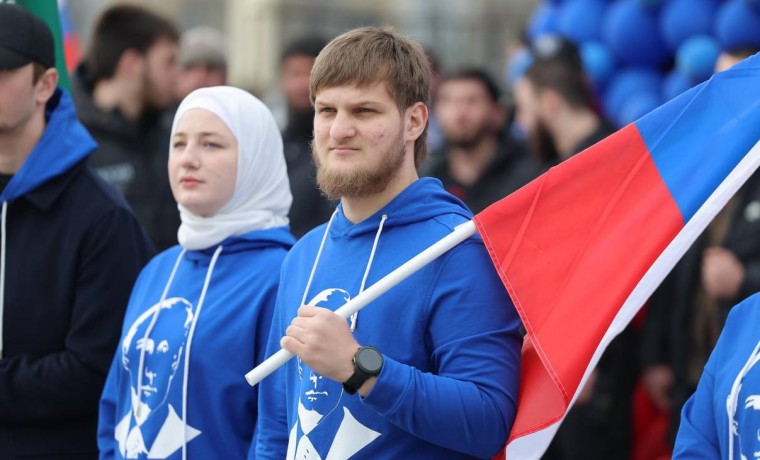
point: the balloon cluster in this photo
(641, 53)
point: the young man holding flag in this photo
(431, 369)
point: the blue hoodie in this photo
(728, 394)
(449, 336)
(217, 314)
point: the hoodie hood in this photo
(422, 200)
(64, 143)
(278, 237)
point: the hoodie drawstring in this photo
(186, 377)
(2, 272)
(733, 398)
(355, 316)
(316, 259)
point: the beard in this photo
(154, 100)
(470, 140)
(541, 144)
(359, 182)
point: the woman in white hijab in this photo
(200, 312)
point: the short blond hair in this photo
(369, 55)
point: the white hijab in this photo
(261, 198)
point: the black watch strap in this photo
(368, 362)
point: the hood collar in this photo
(422, 200)
(64, 144)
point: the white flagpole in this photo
(460, 233)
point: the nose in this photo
(342, 127)
(190, 157)
(150, 375)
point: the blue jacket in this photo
(449, 336)
(73, 251)
(223, 334)
(707, 416)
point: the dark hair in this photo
(121, 28)
(566, 79)
(480, 76)
(370, 55)
(304, 46)
(435, 63)
(38, 70)
(743, 52)
(556, 48)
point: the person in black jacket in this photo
(70, 250)
(310, 208)
(123, 92)
(556, 106)
(480, 162)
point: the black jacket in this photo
(132, 156)
(310, 208)
(72, 253)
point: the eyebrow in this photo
(201, 134)
(359, 103)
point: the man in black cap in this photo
(70, 250)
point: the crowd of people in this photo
(161, 235)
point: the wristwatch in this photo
(368, 362)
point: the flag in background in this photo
(47, 10)
(71, 47)
(581, 248)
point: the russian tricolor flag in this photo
(581, 248)
(71, 48)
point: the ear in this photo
(130, 63)
(550, 100)
(498, 116)
(416, 120)
(46, 85)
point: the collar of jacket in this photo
(45, 195)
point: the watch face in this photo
(369, 360)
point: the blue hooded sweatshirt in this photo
(214, 312)
(448, 334)
(721, 420)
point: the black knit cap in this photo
(24, 38)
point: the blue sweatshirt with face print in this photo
(197, 321)
(721, 420)
(448, 334)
